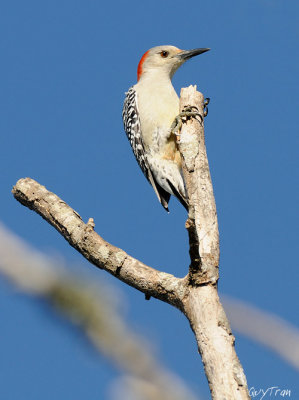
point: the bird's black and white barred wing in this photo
(133, 130)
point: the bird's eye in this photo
(164, 54)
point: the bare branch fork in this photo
(195, 295)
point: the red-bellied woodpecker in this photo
(149, 110)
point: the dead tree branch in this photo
(93, 247)
(196, 294)
(201, 303)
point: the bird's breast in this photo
(158, 106)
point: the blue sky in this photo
(65, 66)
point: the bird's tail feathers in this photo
(182, 199)
(162, 195)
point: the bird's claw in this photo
(187, 113)
(205, 106)
(176, 126)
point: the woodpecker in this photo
(150, 107)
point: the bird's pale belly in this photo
(171, 151)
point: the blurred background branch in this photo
(264, 328)
(88, 306)
(85, 305)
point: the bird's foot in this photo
(176, 127)
(205, 106)
(186, 114)
(189, 112)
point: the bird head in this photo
(165, 59)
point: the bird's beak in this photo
(186, 54)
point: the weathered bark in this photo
(201, 304)
(202, 223)
(93, 247)
(196, 294)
